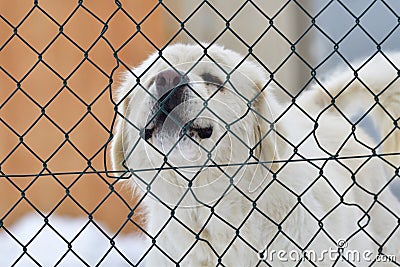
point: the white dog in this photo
(231, 177)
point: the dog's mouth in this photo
(192, 130)
(189, 129)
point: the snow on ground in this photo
(47, 247)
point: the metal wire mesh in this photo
(94, 162)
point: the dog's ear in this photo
(117, 148)
(117, 143)
(265, 130)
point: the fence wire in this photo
(15, 87)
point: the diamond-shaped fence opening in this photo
(45, 30)
(63, 202)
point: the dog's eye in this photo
(211, 79)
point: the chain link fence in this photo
(60, 67)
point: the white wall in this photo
(249, 24)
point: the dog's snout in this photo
(168, 80)
(170, 87)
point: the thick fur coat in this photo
(232, 177)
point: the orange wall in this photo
(58, 92)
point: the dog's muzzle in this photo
(171, 87)
(169, 112)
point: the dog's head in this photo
(191, 118)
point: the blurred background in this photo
(60, 61)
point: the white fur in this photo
(222, 216)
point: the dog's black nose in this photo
(170, 87)
(168, 80)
